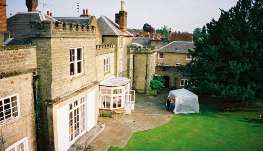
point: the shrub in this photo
(156, 85)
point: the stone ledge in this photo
(83, 143)
(15, 73)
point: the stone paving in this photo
(149, 113)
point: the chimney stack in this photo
(49, 13)
(121, 18)
(85, 13)
(117, 18)
(3, 26)
(32, 5)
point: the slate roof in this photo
(178, 47)
(18, 41)
(110, 28)
(34, 16)
(145, 41)
(75, 20)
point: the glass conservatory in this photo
(115, 93)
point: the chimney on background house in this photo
(49, 13)
(32, 5)
(2, 20)
(121, 18)
(85, 13)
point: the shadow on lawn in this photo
(256, 121)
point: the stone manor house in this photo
(57, 74)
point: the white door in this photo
(91, 110)
(62, 128)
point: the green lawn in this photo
(208, 131)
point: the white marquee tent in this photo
(186, 101)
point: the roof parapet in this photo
(105, 49)
(104, 46)
(62, 26)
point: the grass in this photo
(210, 130)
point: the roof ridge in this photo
(167, 45)
(108, 22)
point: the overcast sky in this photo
(183, 15)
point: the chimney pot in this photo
(3, 25)
(87, 12)
(83, 13)
(50, 14)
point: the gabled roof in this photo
(178, 47)
(76, 20)
(109, 28)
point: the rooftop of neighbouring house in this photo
(110, 28)
(178, 47)
(34, 16)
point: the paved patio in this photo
(149, 113)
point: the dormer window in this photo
(76, 61)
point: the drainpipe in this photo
(146, 74)
(35, 85)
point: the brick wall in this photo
(24, 125)
(17, 61)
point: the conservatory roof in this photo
(115, 82)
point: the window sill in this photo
(106, 73)
(72, 77)
(9, 121)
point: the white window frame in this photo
(76, 61)
(82, 111)
(111, 96)
(188, 58)
(160, 55)
(106, 65)
(15, 145)
(12, 118)
(185, 82)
